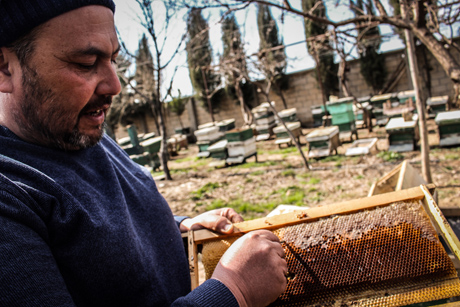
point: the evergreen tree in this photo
(199, 57)
(233, 51)
(144, 75)
(273, 61)
(233, 64)
(372, 63)
(320, 49)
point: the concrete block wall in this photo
(303, 94)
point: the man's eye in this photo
(86, 66)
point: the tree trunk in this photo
(321, 87)
(294, 140)
(164, 150)
(247, 115)
(280, 93)
(211, 112)
(413, 67)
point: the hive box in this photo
(402, 135)
(449, 128)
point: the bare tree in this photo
(161, 62)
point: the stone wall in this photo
(304, 93)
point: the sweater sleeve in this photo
(209, 294)
(179, 219)
(29, 274)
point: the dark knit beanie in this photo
(18, 17)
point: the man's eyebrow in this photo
(95, 51)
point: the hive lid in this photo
(322, 133)
(438, 100)
(397, 123)
(383, 97)
(448, 117)
(291, 126)
(151, 141)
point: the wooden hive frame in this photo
(404, 176)
(422, 193)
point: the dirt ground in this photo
(280, 177)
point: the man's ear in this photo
(6, 82)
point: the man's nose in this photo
(109, 84)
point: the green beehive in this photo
(449, 127)
(337, 107)
(239, 135)
(142, 159)
(402, 135)
(318, 113)
(437, 104)
(152, 145)
(226, 125)
(341, 111)
(343, 118)
(132, 150)
(404, 96)
(218, 150)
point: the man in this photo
(80, 223)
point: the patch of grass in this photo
(258, 173)
(248, 180)
(186, 159)
(256, 164)
(304, 175)
(390, 156)
(333, 158)
(358, 177)
(288, 173)
(292, 195)
(179, 170)
(201, 192)
(287, 150)
(314, 180)
(155, 174)
(452, 156)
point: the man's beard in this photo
(53, 126)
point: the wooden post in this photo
(413, 67)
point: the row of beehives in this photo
(143, 148)
(222, 141)
(347, 114)
(402, 134)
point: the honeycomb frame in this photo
(377, 251)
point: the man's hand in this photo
(220, 220)
(254, 269)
